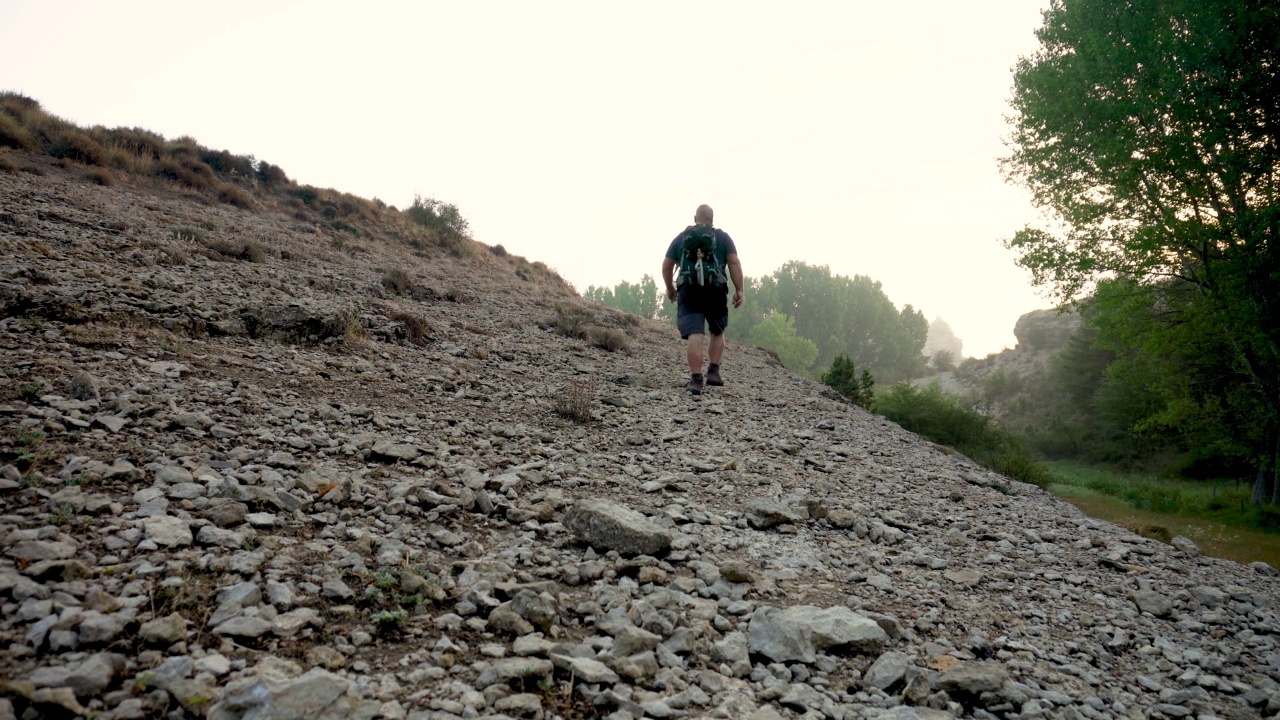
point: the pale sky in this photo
(864, 136)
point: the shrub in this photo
(14, 135)
(572, 322)
(272, 175)
(398, 281)
(101, 176)
(576, 401)
(607, 338)
(498, 250)
(191, 173)
(76, 145)
(843, 378)
(945, 419)
(232, 194)
(7, 165)
(443, 220)
(239, 250)
(32, 169)
(414, 329)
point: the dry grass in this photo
(607, 339)
(101, 176)
(398, 281)
(7, 165)
(576, 401)
(415, 330)
(238, 250)
(570, 321)
(232, 194)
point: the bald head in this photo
(704, 215)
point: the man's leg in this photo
(715, 349)
(694, 350)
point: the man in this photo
(700, 307)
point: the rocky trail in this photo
(275, 484)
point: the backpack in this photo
(697, 258)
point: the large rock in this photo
(609, 526)
(317, 694)
(168, 531)
(797, 633)
(887, 670)
(973, 678)
(86, 678)
(766, 513)
(387, 451)
(1045, 329)
(1150, 601)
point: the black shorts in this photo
(701, 308)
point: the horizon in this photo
(864, 139)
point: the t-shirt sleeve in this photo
(673, 250)
(729, 247)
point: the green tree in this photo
(777, 332)
(1150, 130)
(843, 377)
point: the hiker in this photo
(698, 258)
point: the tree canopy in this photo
(1149, 131)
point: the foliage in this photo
(1151, 131)
(843, 377)
(944, 418)
(777, 332)
(443, 219)
(943, 361)
(838, 315)
(636, 298)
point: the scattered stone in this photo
(606, 525)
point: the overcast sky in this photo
(860, 135)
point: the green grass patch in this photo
(1214, 537)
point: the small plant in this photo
(187, 234)
(576, 402)
(353, 329)
(572, 322)
(7, 165)
(390, 622)
(235, 195)
(30, 391)
(398, 281)
(239, 250)
(101, 176)
(415, 329)
(607, 338)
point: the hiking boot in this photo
(713, 376)
(695, 385)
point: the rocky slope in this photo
(238, 489)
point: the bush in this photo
(414, 329)
(607, 338)
(945, 419)
(843, 378)
(239, 250)
(14, 135)
(572, 322)
(272, 175)
(576, 402)
(101, 176)
(7, 165)
(76, 145)
(398, 281)
(232, 194)
(443, 220)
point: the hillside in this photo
(257, 467)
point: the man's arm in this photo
(735, 273)
(668, 268)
